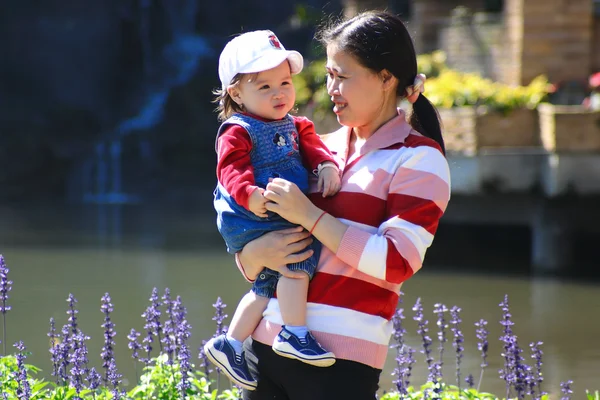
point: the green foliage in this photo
(456, 89)
(445, 88)
(159, 381)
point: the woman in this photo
(375, 231)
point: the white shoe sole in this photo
(220, 361)
(287, 351)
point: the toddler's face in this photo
(269, 95)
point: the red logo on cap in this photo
(274, 41)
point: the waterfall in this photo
(164, 69)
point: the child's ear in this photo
(234, 93)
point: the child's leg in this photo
(291, 294)
(247, 316)
(226, 351)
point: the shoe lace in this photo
(238, 358)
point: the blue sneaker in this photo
(308, 351)
(219, 352)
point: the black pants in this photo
(281, 378)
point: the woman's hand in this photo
(275, 250)
(287, 200)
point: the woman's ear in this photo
(234, 93)
(389, 80)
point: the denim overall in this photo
(275, 154)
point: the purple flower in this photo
(169, 338)
(134, 345)
(482, 340)
(182, 328)
(536, 354)
(422, 330)
(204, 363)
(79, 361)
(440, 310)
(63, 357)
(153, 325)
(565, 388)
(54, 349)
(107, 353)
(458, 341)
(403, 371)
(94, 379)
(72, 313)
(24, 389)
(5, 287)
(470, 381)
(114, 378)
(184, 367)
(220, 316)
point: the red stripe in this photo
(418, 211)
(413, 141)
(358, 207)
(351, 293)
(397, 268)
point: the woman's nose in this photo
(332, 88)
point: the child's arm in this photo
(317, 157)
(234, 170)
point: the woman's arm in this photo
(274, 250)
(418, 195)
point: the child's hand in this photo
(257, 203)
(329, 180)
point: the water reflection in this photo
(127, 251)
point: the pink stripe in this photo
(343, 347)
(378, 185)
(329, 263)
(421, 184)
(406, 248)
(352, 245)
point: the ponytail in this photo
(425, 119)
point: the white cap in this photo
(252, 52)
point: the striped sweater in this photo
(394, 191)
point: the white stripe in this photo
(427, 159)
(339, 321)
(373, 260)
(423, 158)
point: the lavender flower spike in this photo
(536, 354)
(24, 389)
(482, 345)
(54, 349)
(565, 388)
(458, 340)
(440, 310)
(5, 287)
(220, 316)
(107, 353)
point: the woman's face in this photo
(356, 91)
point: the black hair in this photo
(379, 41)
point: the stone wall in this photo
(474, 43)
(430, 16)
(596, 44)
(552, 37)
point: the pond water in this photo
(128, 251)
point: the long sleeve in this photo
(234, 170)
(417, 197)
(312, 148)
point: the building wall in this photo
(552, 37)
(475, 43)
(430, 16)
(596, 45)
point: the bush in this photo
(445, 88)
